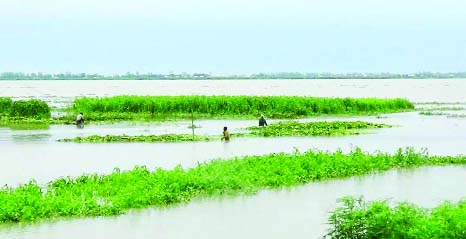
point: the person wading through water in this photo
(80, 120)
(226, 135)
(262, 121)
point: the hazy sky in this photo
(232, 36)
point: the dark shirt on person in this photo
(262, 122)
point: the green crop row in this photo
(361, 220)
(98, 195)
(289, 128)
(139, 138)
(147, 107)
(20, 109)
(323, 128)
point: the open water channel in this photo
(299, 212)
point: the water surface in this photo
(60, 93)
(35, 154)
(299, 212)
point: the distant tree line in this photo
(181, 76)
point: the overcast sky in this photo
(232, 36)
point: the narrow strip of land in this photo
(289, 128)
(116, 193)
(186, 107)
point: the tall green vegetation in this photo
(30, 109)
(127, 107)
(5, 106)
(361, 220)
(321, 128)
(95, 195)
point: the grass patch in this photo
(155, 107)
(323, 128)
(290, 128)
(140, 138)
(23, 109)
(358, 219)
(115, 193)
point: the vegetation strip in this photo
(23, 109)
(140, 138)
(166, 107)
(98, 195)
(321, 128)
(358, 219)
(290, 128)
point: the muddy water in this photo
(35, 154)
(299, 212)
(62, 92)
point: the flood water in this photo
(36, 154)
(300, 212)
(418, 90)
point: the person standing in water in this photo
(226, 135)
(80, 120)
(262, 121)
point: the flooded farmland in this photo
(299, 212)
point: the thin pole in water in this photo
(192, 122)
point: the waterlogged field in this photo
(184, 107)
(162, 108)
(288, 194)
(294, 128)
(285, 128)
(96, 195)
(140, 138)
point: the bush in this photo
(361, 220)
(5, 105)
(36, 109)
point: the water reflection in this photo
(28, 126)
(61, 93)
(30, 138)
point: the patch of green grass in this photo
(140, 138)
(116, 193)
(180, 107)
(358, 219)
(323, 128)
(23, 109)
(5, 106)
(290, 128)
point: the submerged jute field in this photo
(308, 119)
